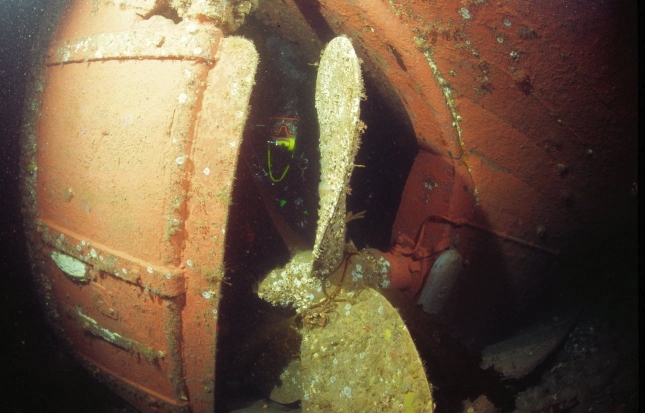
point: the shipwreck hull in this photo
(524, 115)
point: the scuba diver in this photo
(281, 135)
(283, 132)
(278, 163)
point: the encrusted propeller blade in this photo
(356, 354)
(362, 360)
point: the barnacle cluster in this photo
(226, 14)
(292, 284)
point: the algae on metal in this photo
(363, 360)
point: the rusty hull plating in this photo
(127, 195)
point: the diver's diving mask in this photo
(283, 132)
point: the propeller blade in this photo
(362, 360)
(356, 353)
(339, 89)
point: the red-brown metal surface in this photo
(136, 146)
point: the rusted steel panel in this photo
(113, 161)
(213, 161)
(127, 236)
(510, 79)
